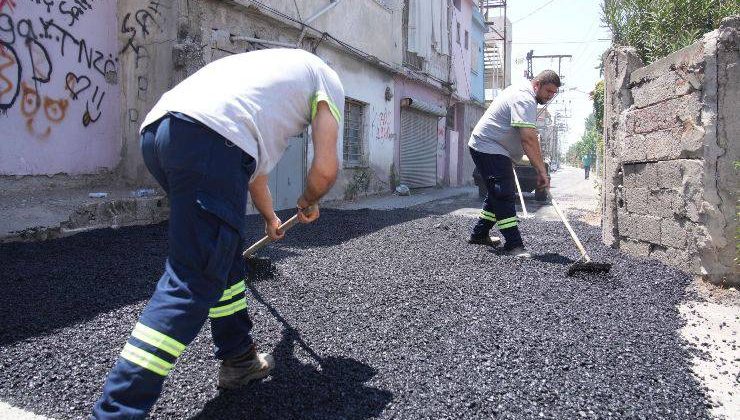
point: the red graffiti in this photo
(8, 82)
(54, 109)
(9, 3)
(384, 126)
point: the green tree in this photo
(598, 97)
(656, 28)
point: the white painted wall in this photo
(367, 84)
(59, 90)
(373, 26)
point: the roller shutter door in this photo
(418, 157)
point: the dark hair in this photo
(548, 77)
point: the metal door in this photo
(288, 177)
(418, 155)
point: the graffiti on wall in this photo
(382, 126)
(137, 27)
(59, 90)
(49, 70)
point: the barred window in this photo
(354, 142)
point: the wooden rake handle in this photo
(570, 229)
(283, 227)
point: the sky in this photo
(552, 27)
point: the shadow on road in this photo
(553, 258)
(53, 284)
(298, 390)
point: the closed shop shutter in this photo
(418, 158)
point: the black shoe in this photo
(484, 240)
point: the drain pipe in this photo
(233, 38)
(332, 4)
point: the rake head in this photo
(588, 267)
(260, 267)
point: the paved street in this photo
(373, 313)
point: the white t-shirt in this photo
(497, 131)
(257, 100)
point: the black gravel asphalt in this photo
(385, 314)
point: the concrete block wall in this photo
(671, 140)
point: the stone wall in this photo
(671, 139)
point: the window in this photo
(354, 147)
(450, 118)
(474, 59)
(458, 32)
(466, 39)
(456, 3)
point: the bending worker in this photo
(506, 131)
(213, 135)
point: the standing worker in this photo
(220, 130)
(586, 161)
(507, 130)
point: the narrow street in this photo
(372, 313)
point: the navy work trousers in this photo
(206, 179)
(499, 208)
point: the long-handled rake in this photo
(584, 264)
(521, 196)
(259, 266)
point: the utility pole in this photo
(531, 57)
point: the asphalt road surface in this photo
(372, 313)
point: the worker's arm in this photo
(262, 200)
(325, 166)
(531, 145)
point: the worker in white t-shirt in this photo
(217, 133)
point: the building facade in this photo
(78, 81)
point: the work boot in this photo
(518, 252)
(242, 370)
(484, 240)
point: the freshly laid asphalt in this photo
(372, 313)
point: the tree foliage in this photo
(656, 28)
(592, 141)
(589, 143)
(598, 97)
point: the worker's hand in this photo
(271, 228)
(543, 182)
(307, 213)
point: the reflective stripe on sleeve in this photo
(523, 124)
(322, 96)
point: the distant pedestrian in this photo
(586, 161)
(506, 131)
(206, 141)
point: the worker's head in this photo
(545, 86)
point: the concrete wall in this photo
(59, 88)
(368, 85)
(147, 32)
(377, 39)
(471, 115)
(671, 140)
